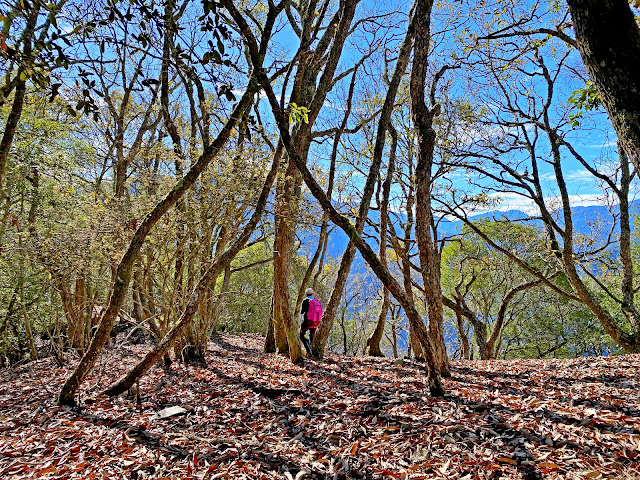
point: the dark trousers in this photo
(303, 330)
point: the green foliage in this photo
(247, 305)
(554, 327)
(583, 100)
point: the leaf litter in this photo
(251, 415)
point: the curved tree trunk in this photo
(463, 338)
(20, 90)
(124, 268)
(434, 380)
(427, 247)
(324, 329)
(221, 262)
(313, 80)
(374, 341)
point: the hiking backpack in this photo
(315, 313)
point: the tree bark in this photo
(287, 202)
(608, 39)
(426, 138)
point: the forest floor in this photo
(251, 415)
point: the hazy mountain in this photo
(593, 221)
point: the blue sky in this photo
(594, 139)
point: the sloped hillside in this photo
(250, 415)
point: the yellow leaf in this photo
(547, 465)
(507, 460)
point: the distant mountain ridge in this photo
(593, 221)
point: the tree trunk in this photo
(462, 336)
(374, 341)
(480, 336)
(221, 262)
(628, 303)
(168, 47)
(608, 39)
(394, 337)
(270, 337)
(434, 380)
(20, 91)
(123, 271)
(426, 139)
(324, 329)
(23, 306)
(345, 349)
(435, 384)
(287, 202)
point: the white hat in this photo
(309, 291)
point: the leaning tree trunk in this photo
(220, 263)
(608, 39)
(322, 335)
(404, 252)
(20, 90)
(124, 268)
(434, 380)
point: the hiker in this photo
(312, 314)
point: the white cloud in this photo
(582, 174)
(513, 201)
(586, 200)
(548, 176)
(610, 143)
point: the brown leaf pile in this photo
(250, 415)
